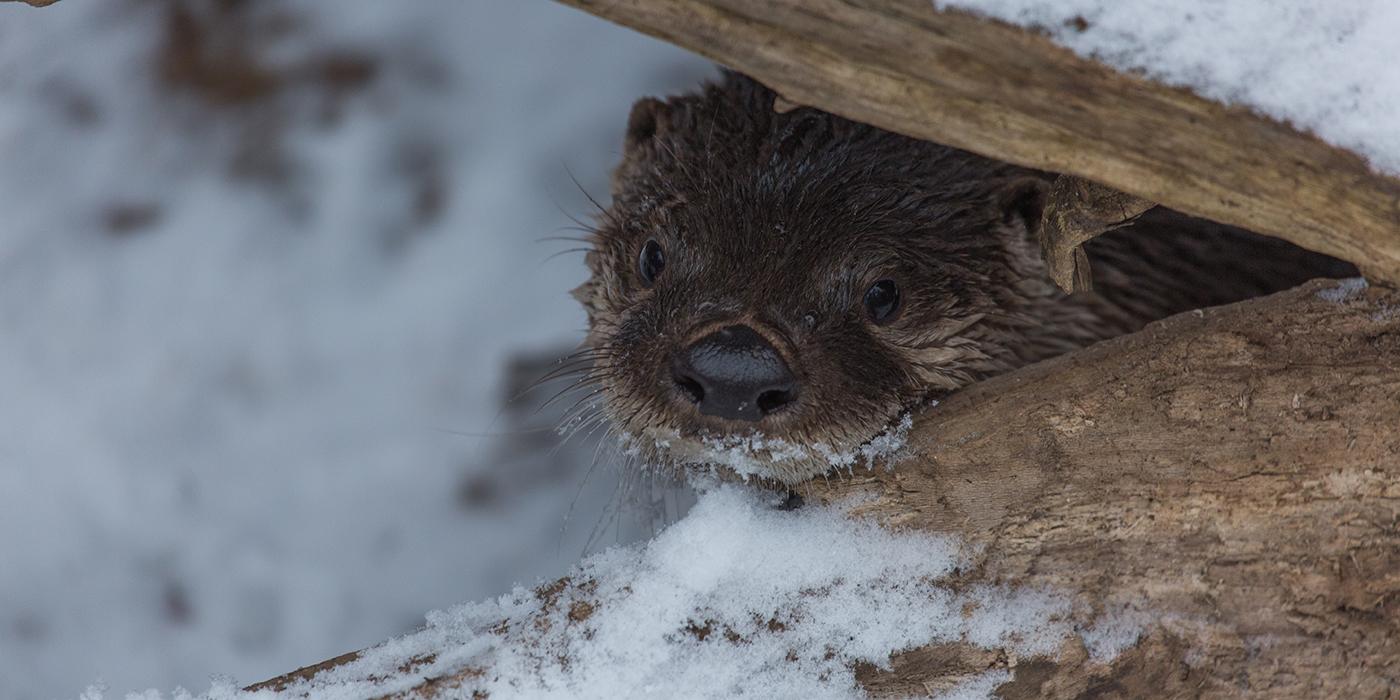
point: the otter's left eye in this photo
(650, 262)
(882, 301)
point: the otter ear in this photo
(1022, 201)
(648, 119)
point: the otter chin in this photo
(775, 293)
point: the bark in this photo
(1232, 473)
(1076, 211)
(1011, 94)
(1238, 470)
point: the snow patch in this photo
(1113, 634)
(1386, 314)
(755, 454)
(1325, 67)
(1344, 291)
(739, 599)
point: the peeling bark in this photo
(1076, 211)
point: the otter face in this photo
(774, 292)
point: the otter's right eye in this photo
(882, 301)
(650, 262)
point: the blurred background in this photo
(268, 272)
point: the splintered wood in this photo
(1076, 211)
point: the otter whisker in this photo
(566, 251)
(573, 503)
(564, 370)
(585, 381)
(591, 424)
(580, 402)
(579, 413)
(567, 431)
(630, 418)
(588, 240)
(586, 401)
(602, 210)
(610, 511)
(579, 222)
(582, 368)
(492, 433)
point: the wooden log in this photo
(1010, 93)
(1239, 468)
(1232, 473)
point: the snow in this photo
(739, 599)
(1344, 291)
(231, 438)
(754, 454)
(1324, 67)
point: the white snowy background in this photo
(242, 329)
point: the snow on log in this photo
(1207, 508)
(1012, 93)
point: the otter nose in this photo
(734, 373)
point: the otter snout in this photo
(734, 373)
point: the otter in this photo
(775, 292)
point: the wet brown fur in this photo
(782, 221)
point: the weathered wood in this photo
(1076, 211)
(1011, 94)
(1233, 474)
(1238, 470)
(35, 3)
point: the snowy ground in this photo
(738, 600)
(240, 319)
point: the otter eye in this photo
(882, 301)
(650, 262)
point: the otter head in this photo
(774, 292)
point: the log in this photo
(1233, 472)
(1010, 93)
(1239, 468)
